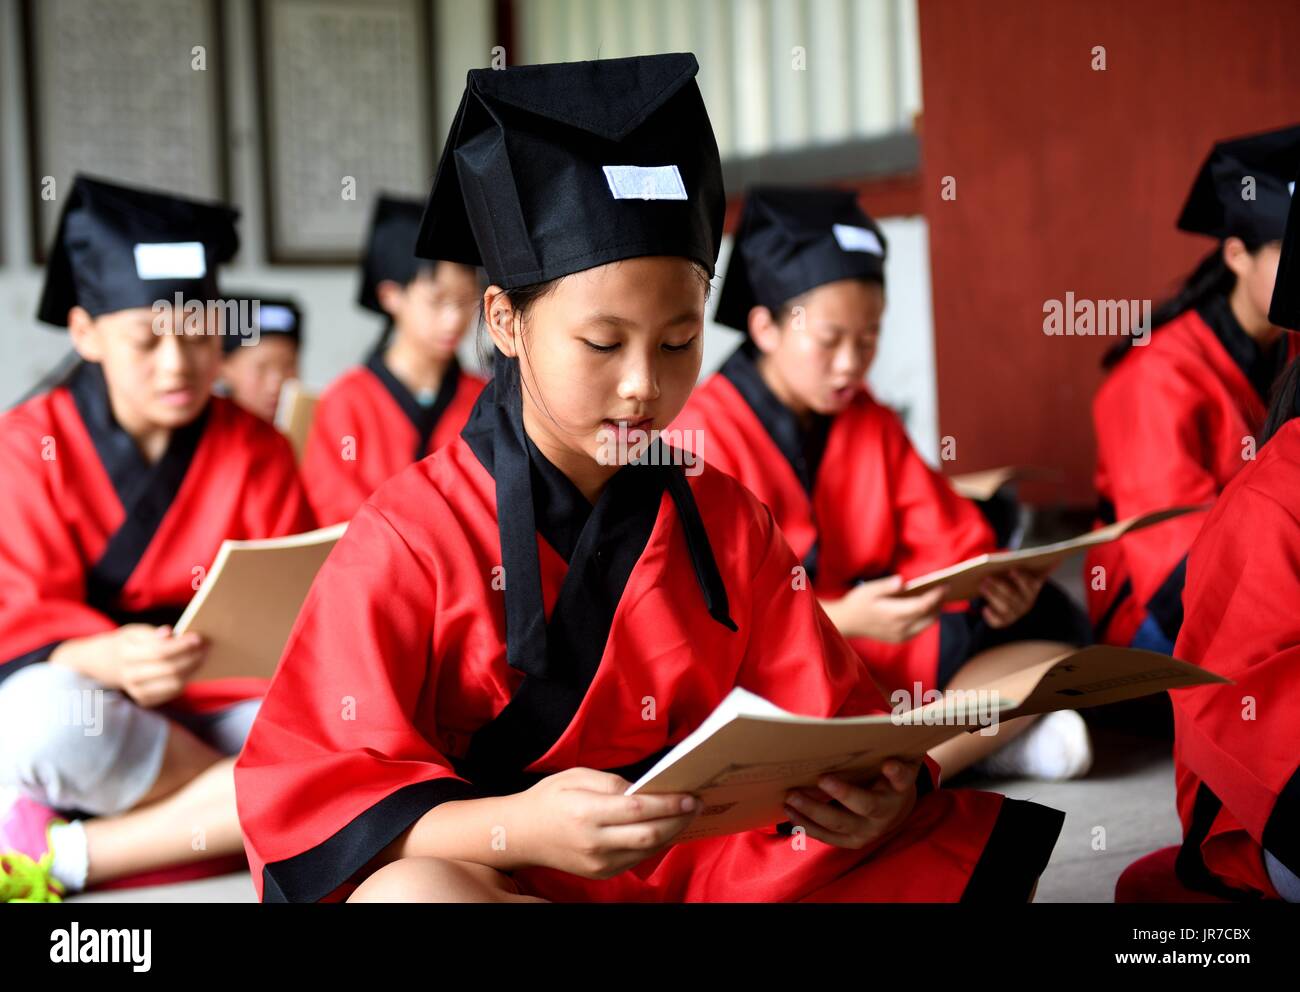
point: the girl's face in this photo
(159, 371)
(1256, 274)
(619, 344)
(434, 309)
(817, 358)
(255, 373)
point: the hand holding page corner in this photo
(743, 759)
(962, 581)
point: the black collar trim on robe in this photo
(803, 447)
(602, 545)
(1261, 367)
(423, 418)
(145, 491)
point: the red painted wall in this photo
(1070, 179)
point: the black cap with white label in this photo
(791, 240)
(552, 169)
(120, 247)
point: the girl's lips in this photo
(644, 424)
(177, 397)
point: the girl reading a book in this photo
(789, 415)
(1179, 416)
(515, 629)
(119, 487)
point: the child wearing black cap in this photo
(263, 353)
(1237, 746)
(411, 396)
(1178, 417)
(789, 415)
(119, 488)
(514, 629)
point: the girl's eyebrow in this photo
(614, 320)
(841, 329)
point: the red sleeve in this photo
(276, 500)
(1243, 584)
(936, 526)
(795, 657)
(335, 486)
(1149, 439)
(42, 579)
(335, 767)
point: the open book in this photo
(963, 579)
(250, 599)
(294, 412)
(748, 753)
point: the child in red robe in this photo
(119, 488)
(516, 628)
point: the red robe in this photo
(876, 508)
(368, 427)
(1170, 422)
(1237, 747)
(95, 538)
(406, 625)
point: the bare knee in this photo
(437, 880)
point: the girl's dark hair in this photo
(522, 301)
(1286, 401)
(1210, 278)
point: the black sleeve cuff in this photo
(315, 873)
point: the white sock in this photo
(1055, 748)
(71, 859)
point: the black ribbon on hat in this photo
(526, 641)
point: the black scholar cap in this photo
(791, 240)
(552, 169)
(390, 247)
(1244, 188)
(258, 316)
(1285, 309)
(119, 247)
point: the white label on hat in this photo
(1291, 187)
(857, 239)
(175, 260)
(274, 317)
(645, 182)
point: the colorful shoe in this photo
(26, 855)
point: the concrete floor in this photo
(1122, 810)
